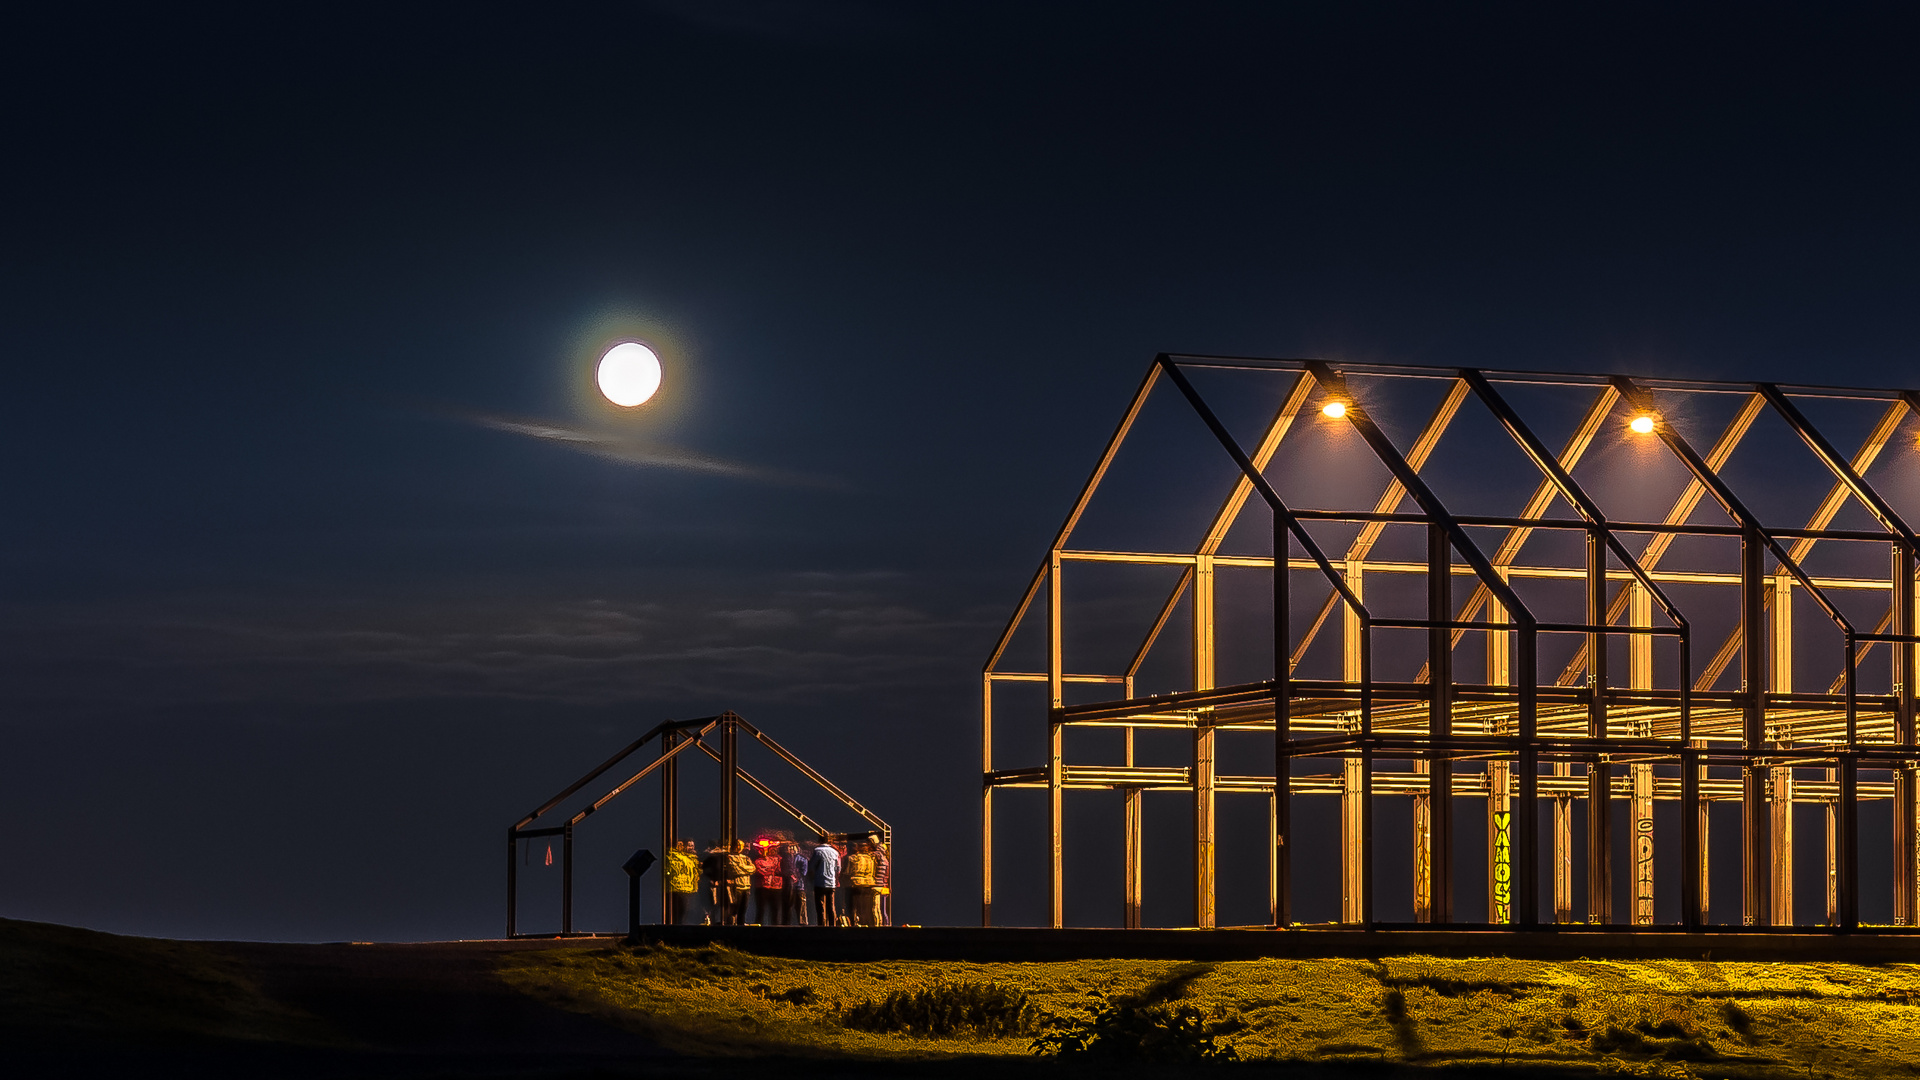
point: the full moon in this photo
(629, 374)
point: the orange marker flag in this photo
(549, 854)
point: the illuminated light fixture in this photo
(1642, 425)
(1335, 409)
(629, 374)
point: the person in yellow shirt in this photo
(861, 883)
(683, 879)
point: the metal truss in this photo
(1522, 744)
(675, 738)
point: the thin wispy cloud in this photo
(770, 639)
(644, 453)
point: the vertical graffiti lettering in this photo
(1502, 867)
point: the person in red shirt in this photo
(769, 884)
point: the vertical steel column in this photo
(1903, 846)
(1756, 846)
(1780, 807)
(1640, 677)
(1599, 767)
(1203, 746)
(1130, 813)
(1056, 737)
(1848, 886)
(729, 777)
(1352, 826)
(1906, 912)
(1695, 852)
(513, 880)
(1499, 842)
(1353, 786)
(1423, 845)
(1281, 848)
(1642, 844)
(1440, 724)
(1273, 858)
(986, 798)
(1694, 859)
(566, 878)
(1833, 851)
(1780, 811)
(1499, 779)
(1526, 817)
(669, 818)
(1562, 808)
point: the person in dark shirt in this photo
(717, 868)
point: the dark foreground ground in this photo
(78, 1003)
(75, 1003)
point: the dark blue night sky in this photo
(298, 606)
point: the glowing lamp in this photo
(629, 374)
(1335, 409)
(1642, 424)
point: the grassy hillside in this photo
(573, 1008)
(1669, 1018)
(64, 986)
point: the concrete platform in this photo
(1013, 944)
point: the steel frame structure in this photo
(1510, 740)
(676, 737)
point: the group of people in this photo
(787, 883)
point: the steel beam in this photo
(1640, 677)
(1440, 724)
(1280, 848)
(1203, 747)
(1599, 766)
(1780, 791)
(729, 784)
(1906, 851)
(986, 798)
(669, 818)
(1056, 750)
(1756, 846)
(1132, 856)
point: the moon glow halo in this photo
(629, 374)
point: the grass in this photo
(67, 988)
(59, 985)
(1656, 1018)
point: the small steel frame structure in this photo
(676, 737)
(1524, 746)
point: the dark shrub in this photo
(947, 1009)
(1124, 1029)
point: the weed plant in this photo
(946, 1010)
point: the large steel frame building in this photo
(1508, 691)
